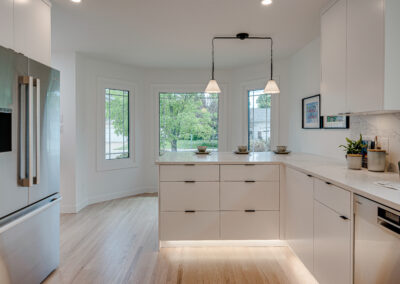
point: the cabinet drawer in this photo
(176, 226)
(249, 172)
(189, 172)
(181, 196)
(250, 195)
(259, 225)
(332, 196)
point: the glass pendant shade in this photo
(272, 88)
(213, 88)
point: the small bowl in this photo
(201, 148)
(281, 148)
(242, 148)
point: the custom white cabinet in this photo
(32, 29)
(6, 23)
(360, 63)
(333, 58)
(219, 202)
(332, 246)
(299, 215)
(365, 55)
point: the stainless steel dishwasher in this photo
(377, 243)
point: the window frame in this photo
(190, 88)
(275, 99)
(102, 163)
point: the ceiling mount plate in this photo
(242, 36)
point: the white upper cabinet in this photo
(360, 64)
(6, 23)
(365, 60)
(32, 29)
(392, 54)
(333, 58)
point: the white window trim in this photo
(102, 163)
(275, 99)
(156, 89)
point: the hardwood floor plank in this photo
(116, 242)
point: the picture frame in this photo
(336, 122)
(311, 112)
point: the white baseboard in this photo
(65, 209)
(224, 243)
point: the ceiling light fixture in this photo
(76, 1)
(266, 2)
(213, 88)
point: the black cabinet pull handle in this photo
(310, 176)
(344, 217)
(328, 183)
(190, 211)
(249, 164)
(190, 181)
(249, 181)
(189, 165)
(250, 211)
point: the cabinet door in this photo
(32, 29)
(6, 23)
(333, 59)
(299, 215)
(365, 55)
(332, 246)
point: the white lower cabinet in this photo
(299, 215)
(332, 246)
(175, 226)
(257, 225)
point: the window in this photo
(259, 121)
(188, 120)
(116, 124)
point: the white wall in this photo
(304, 79)
(65, 63)
(93, 185)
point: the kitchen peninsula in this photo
(297, 198)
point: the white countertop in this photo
(334, 171)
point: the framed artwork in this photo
(311, 112)
(336, 122)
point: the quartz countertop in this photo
(335, 171)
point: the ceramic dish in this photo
(282, 153)
(241, 153)
(202, 153)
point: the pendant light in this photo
(272, 86)
(213, 88)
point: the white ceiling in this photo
(178, 33)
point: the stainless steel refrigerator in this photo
(29, 169)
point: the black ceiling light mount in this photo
(270, 88)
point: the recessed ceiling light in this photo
(76, 1)
(266, 2)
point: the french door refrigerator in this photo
(29, 169)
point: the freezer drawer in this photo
(29, 244)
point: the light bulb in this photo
(266, 2)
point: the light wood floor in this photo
(116, 242)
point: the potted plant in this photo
(353, 153)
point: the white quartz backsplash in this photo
(386, 127)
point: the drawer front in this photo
(181, 196)
(249, 172)
(259, 225)
(258, 195)
(176, 226)
(332, 196)
(189, 172)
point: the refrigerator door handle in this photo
(36, 179)
(26, 180)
